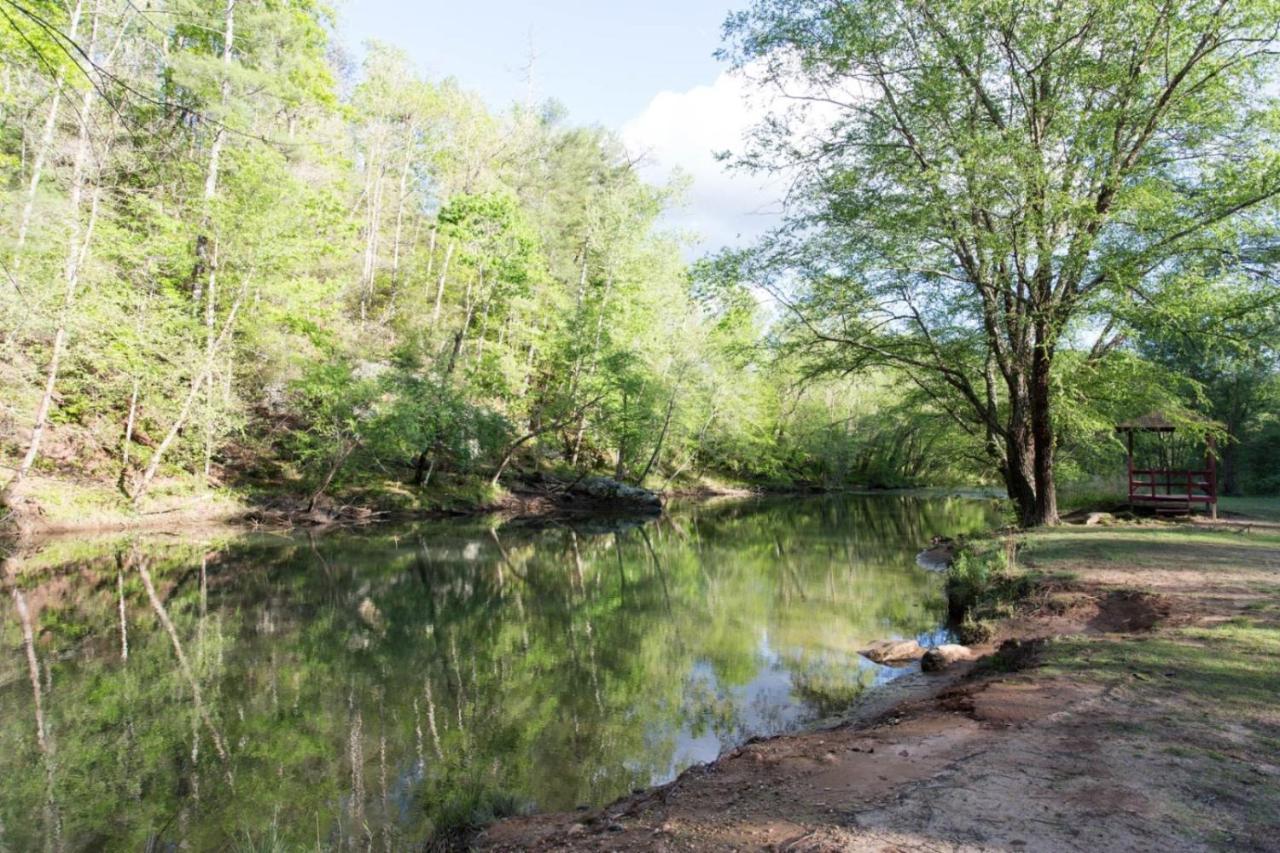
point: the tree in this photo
(979, 184)
(1227, 348)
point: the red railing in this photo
(1157, 485)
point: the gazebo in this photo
(1164, 486)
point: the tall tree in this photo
(980, 183)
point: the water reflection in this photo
(371, 688)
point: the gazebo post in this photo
(1211, 459)
(1129, 434)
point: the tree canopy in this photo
(981, 186)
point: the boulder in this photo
(608, 489)
(939, 658)
(893, 652)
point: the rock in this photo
(607, 489)
(938, 659)
(370, 614)
(893, 652)
(937, 558)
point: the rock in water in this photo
(938, 659)
(893, 652)
(936, 559)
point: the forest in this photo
(236, 260)
(857, 565)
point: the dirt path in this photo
(1139, 710)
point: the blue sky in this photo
(644, 69)
(604, 60)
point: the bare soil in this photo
(1071, 734)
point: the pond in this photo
(373, 687)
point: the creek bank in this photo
(50, 507)
(1092, 719)
(531, 497)
(55, 507)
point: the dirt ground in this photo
(1137, 707)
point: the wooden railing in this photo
(1157, 486)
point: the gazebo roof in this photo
(1152, 422)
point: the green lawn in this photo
(1264, 508)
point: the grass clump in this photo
(972, 632)
(983, 584)
(464, 812)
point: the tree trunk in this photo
(620, 469)
(404, 187)
(215, 159)
(581, 431)
(197, 382)
(124, 624)
(1018, 471)
(431, 252)
(1046, 506)
(77, 251)
(1017, 465)
(373, 219)
(46, 142)
(122, 482)
(662, 436)
(1230, 486)
(348, 447)
(510, 452)
(205, 244)
(444, 274)
(460, 336)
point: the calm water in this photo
(362, 689)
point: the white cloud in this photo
(684, 130)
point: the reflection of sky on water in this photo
(766, 705)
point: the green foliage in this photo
(386, 288)
(982, 583)
(996, 200)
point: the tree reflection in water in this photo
(378, 685)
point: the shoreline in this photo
(958, 758)
(217, 510)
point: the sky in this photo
(643, 69)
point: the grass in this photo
(1197, 701)
(88, 506)
(986, 582)
(1262, 508)
(464, 812)
(1174, 547)
(1092, 496)
(1226, 669)
(1204, 697)
(1106, 494)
